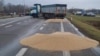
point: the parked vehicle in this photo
(90, 14)
(78, 13)
(49, 11)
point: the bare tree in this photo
(6, 9)
(19, 9)
(1, 5)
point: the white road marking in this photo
(2, 24)
(65, 53)
(19, 23)
(7, 23)
(41, 28)
(75, 28)
(96, 50)
(44, 24)
(62, 27)
(8, 26)
(22, 52)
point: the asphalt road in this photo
(13, 30)
(56, 27)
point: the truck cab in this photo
(36, 10)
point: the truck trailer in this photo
(49, 11)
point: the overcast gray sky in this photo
(84, 4)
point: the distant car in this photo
(90, 14)
(78, 13)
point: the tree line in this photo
(11, 8)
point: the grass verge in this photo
(88, 30)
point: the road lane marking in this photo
(19, 23)
(25, 17)
(77, 30)
(44, 24)
(96, 50)
(74, 27)
(2, 24)
(62, 27)
(8, 26)
(7, 23)
(41, 28)
(65, 53)
(22, 52)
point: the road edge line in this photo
(22, 52)
(94, 49)
(8, 26)
(81, 34)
